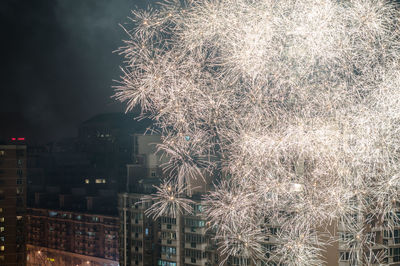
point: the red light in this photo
(13, 139)
(21, 138)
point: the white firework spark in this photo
(297, 101)
(170, 201)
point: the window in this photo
(1, 210)
(2, 153)
(194, 223)
(19, 172)
(344, 256)
(168, 220)
(87, 181)
(19, 217)
(19, 181)
(19, 190)
(52, 213)
(1, 219)
(146, 231)
(2, 196)
(2, 238)
(273, 231)
(166, 263)
(1, 228)
(100, 181)
(1, 248)
(168, 250)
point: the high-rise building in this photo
(12, 203)
(167, 241)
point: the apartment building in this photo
(139, 235)
(12, 203)
(71, 238)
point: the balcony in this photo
(198, 246)
(193, 261)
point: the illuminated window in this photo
(53, 213)
(2, 153)
(19, 217)
(1, 228)
(51, 259)
(2, 238)
(87, 181)
(100, 181)
(1, 219)
(1, 210)
(1, 248)
(20, 190)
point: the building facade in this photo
(12, 204)
(71, 238)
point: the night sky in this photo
(57, 63)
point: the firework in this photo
(296, 104)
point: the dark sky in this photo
(57, 65)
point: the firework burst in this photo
(297, 102)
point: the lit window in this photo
(1, 228)
(100, 181)
(1, 209)
(2, 238)
(87, 181)
(1, 248)
(1, 219)
(51, 259)
(19, 217)
(2, 153)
